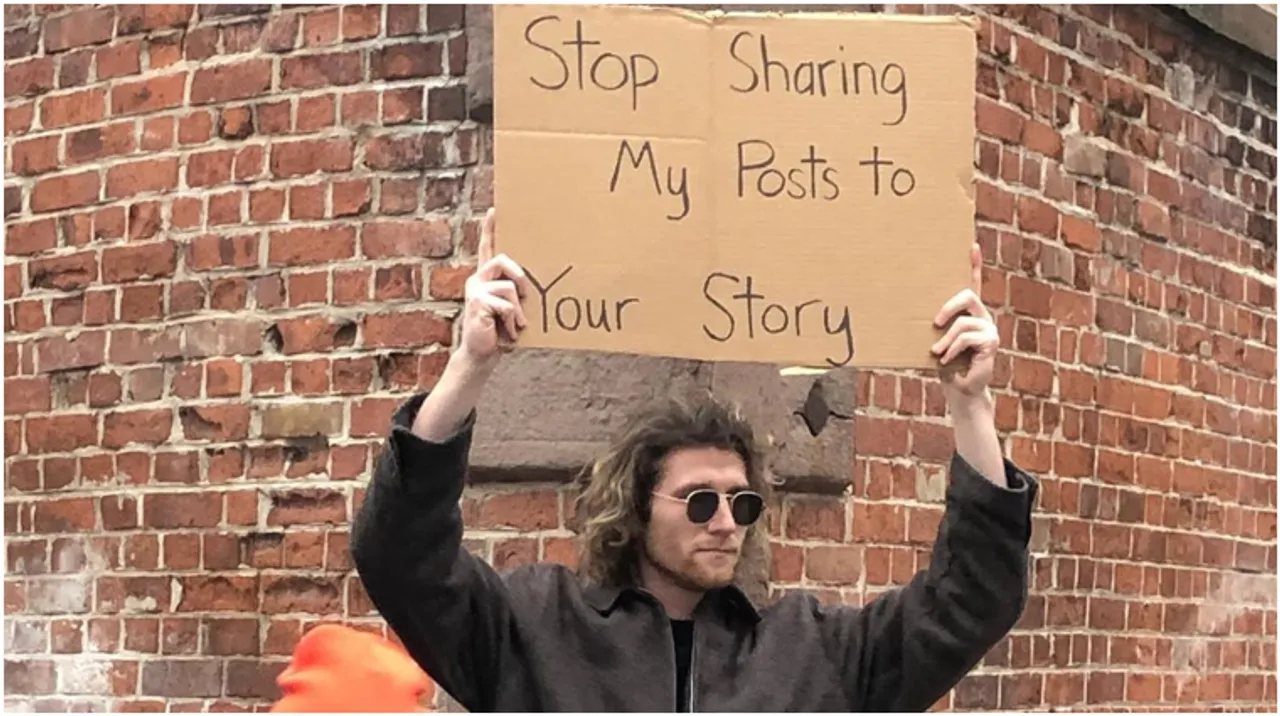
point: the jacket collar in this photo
(730, 600)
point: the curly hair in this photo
(613, 506)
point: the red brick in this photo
(241, 80)
(215, 251)
(179, 510)
(61, 433)
(64, 110)
(816, 519)
(297, 247)
(994, 204)
(150, 427)
(30, 237)
(307, 507)
(64, 273)
(405, 329)
(18, 118)
(294, 159)
(35, 156)
(65, 191)
(74, 514)
(157, 133)
(322, 70)
(223, 336)
(149, 95)
(28, 77)
(195, 128)
(73, 70)
(26, 395)
(387, 239)
(1153, 219)
(402, 106)
(538, 510)
(403, 20)
(95, 143)
(84, 350)
(130, 263)
(359, 108)
(1035, 216)
(119, 60)
(448, 282)
(1081, 232)
(406, 61)
(402, 153)
(146, 175)
(218, 423)
(29, 676)
(998, 121)
(83, 27)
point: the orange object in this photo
(339, 669)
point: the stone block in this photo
(300, 420)
(479, 34)
(1081, 156)
(547, 414)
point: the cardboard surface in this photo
(649, 170)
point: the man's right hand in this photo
(493, 309)
(492, 319)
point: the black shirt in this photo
(683, 632)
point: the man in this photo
(653, 620)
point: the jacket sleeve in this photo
(909, 646)
(449, 608)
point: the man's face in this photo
(703, 556)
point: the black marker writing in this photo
(680, 189)
(901, 181)
(774, 318)
(816, 78)
(607, 71)
(570, 312)
(755, 160)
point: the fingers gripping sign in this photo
(493, 314)
(971, 336)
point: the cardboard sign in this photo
(792, 189)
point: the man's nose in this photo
(722, 521)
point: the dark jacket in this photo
(536, 640)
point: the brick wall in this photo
(233, 239)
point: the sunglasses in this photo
(701, 505)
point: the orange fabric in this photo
(339, 669)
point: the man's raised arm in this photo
(448, 607)
(911, 645)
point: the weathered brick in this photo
(301, 420)
(324, 70)
(83, 27)
(241, 80)
(300, 158)
(65, 191)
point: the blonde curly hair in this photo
(613, 505)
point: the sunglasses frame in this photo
(721, 498)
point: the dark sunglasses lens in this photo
(747, 507)
(703, 505)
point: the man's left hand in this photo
(972, 334)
